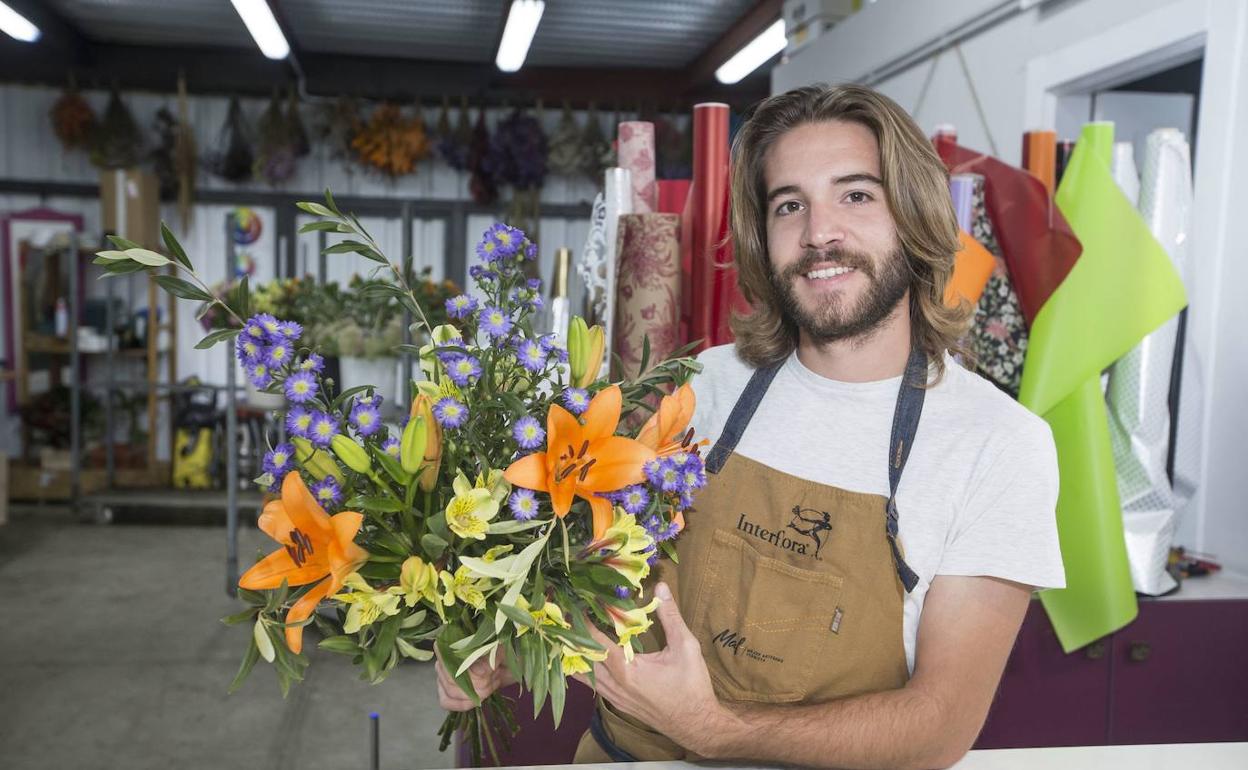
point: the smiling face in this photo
(836, 262)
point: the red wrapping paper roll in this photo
(704, 220)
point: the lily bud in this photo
(586, 345)
(351, 453)
(412, 445)
(422, 407)
(314, 461)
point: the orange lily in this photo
(317, 547)
(584, 459)
(665, 431)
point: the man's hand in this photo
(669, 690)
(485, 681)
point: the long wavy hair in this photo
(916, 187)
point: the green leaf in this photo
(122, 243)
(383, 644)
(242, 299)
(123, 268)
(314, 208)
(499, 570)
(512, 526)
(343, 645)
(541, 676)
(345, 247)
(394, 543)
(329, 202)
(263, 642)
(174, 247)
(558, 691)
(147, 257)
(392, 467)
(432, 545)
(437, 524)
(214, 337)
(310, 227)
(476, 655)
(348, 393)
(240, 617)
(451, 660)
(482, 634)
(669, 548)
(249, 662)
(519, 616)
(375, 503)
(182, 288)
(410, 650)
(105, 257)
(645, 354)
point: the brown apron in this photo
(795, 589)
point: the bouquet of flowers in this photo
(511, 509)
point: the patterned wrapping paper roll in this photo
(999, 333)
(636, 151)
(618, 194)
(973, 264)
(1139, 382)
(1040, 156)
(647, 289)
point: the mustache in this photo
(840, 257)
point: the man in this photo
(853, 576)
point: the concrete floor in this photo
(112, 656)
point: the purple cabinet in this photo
(1177, 674)
(1180, 674)
(1048, 698)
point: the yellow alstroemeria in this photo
(548, 615)
(464, 586)
(630, 623)
(419, 580)
(469, 513)
(577, 661)
(624, 547)
(367, 603)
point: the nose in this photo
(824, 227)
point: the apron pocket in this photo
(762, 623)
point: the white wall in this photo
(1020, 66)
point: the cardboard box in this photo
(130, 206)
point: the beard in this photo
(837, 318)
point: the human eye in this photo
(859, 197)
(788, 207)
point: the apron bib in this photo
(794, 589)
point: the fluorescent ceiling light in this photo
(522, 20)
(16, 26)
(263, 27)
(754, 55)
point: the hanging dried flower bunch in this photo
(185, 157)
(390, 142)
(119, 141)
(595, 149)
(294, 126)
(518, 151)
(339, 121)
(166, 127)
(233, 160)
(275, 162)
(482, 185)
(73, 120)
(566, 145)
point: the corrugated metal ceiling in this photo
(573, 33)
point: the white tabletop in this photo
(1164, 756)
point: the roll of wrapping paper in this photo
(1040, 157)
(1122, 288)
(1065, 149)
(972, 266)
(704, 221)
(962, 191)
(1036, 242)
(1139, 383)
(1125, 175)
(636, 152)
(618, 193)
(647, 289)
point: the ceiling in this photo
(573, 33)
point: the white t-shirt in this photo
(978, 495)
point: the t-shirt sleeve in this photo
(1007, 527)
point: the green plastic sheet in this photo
(1122, 288)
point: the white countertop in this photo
(1219, 585)
(1165, 756)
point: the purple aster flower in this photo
(254, 330)
(259, 375)
(463, 370)
(653, 558)
(671, 477)
(366, 419)
(555, 349)
(291, 330)
(299, 422)
(634, 499)
(576, 399)
(248, 350)
(323, 428)
(327, 492)
(301, 387)
(508, 240)
(279, 460)
(272, 327)
(530, 251)
(622, 592)
(487, 249)
(523, 504)
(449, 412)
(461, 306)
(528, 433)
(531, 355)
(693, 478)
(278, 354)
(534, 285)
(391, 446)
(536, 303)
(369, 400)
(481, 274)
(495, 321)
(313, 363)
(653, 471)
(686, 500)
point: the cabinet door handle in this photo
(1096, 650)
(1139, 651)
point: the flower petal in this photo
(529, 472)
(300, 610)
(618, 464)
(603, 513)
(275, 523)
(603, 415)
(561, 496)
(270, 571)
(302, 508)
(561, 428)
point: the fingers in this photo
(669, 616)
